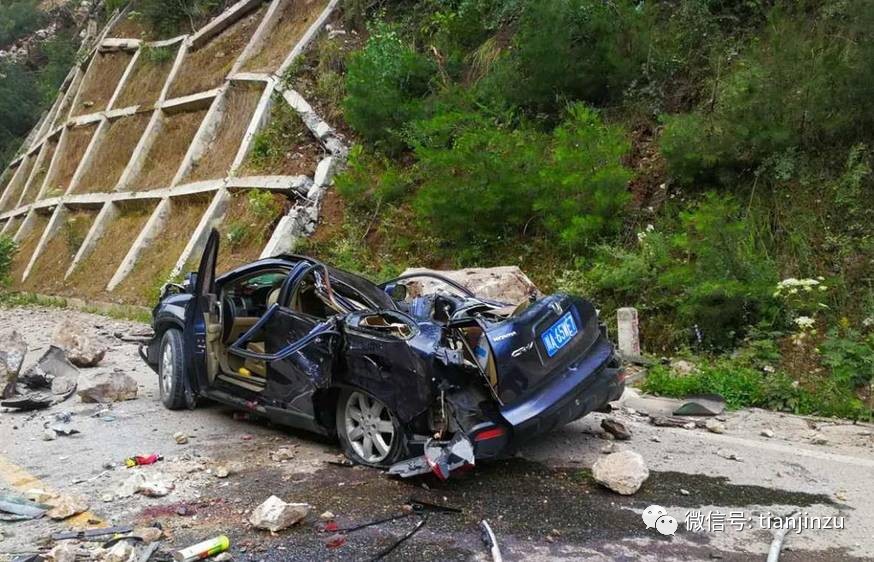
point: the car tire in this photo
(369, 431)
(171, 371)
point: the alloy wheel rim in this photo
(167, 368)
(369, 427)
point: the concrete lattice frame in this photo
(55, 127)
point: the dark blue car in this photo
(425, 383)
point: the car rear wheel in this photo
(171, 371)
(369, 431)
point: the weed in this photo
(8, 249)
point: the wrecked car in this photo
(417, 383)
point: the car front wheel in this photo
(171, 371)
(369, 431)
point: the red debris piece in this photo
(335, 541)
(142, 460)
(331, 527)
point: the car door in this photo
(202, 327)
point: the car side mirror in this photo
(398, 292)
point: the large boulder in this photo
(82, 350)
(505, 284)
(13, 348)
(623, 472)
(275, 515)
(106, 387)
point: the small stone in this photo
(714, 426)
(730, 455)
(684, 492)
(224, 557)
(767, 433)
(64, 552)
(608, 448)
(819, 440)
(107, 498)
(148, 534)
(326, 516)
(121, 551)
(82, 350)
(49, 434)
(155, 486)
(655, 439)
(690, 425)
(616, 429)
(66, 506)
(275, 515)
(222, 471)
(181, 438)
(623, 472)
(282, 455)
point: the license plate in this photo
(559, 334)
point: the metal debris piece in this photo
(666, 421)
(19, 506)
(149, 551)
(777, 543)
(402, 540)
(490, 541)
(441, 458)
(702, 405)
(91, 534)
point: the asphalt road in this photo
(542, 505)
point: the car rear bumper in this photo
(584, 387)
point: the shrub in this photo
(19, 18)
(385, 84)
(8, 249)
(371, 180)
(584, 186)
(571, 50)
(703, 272)
(166, 19)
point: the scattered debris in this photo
(616, 429)
(49, 435)
(335, 541)
(65, 431)
(106, 387)
(64, 552)
(684, 492)
(402, 540)
(490, 541)
(767, 433)
(326, 516)
(275, 515)
(714, 426)
(222, 471)
(66, 506)
(608, 448)
(702, 405)
(181, 438)
(779, 538)
(730, 455)
(142, 460)
(667, 421)
(91, 534)
(148, 535)
(203, 549)
(149, 551)
(623, 472)
(441, 458)
(13, 348)
(82, 350)
(156, 486)
(22, 507)
(50, 381)
(121, 551)
(282, 455)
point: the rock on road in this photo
(542, 504)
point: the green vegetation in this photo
(270, 145)
(19, 18)
(168, 19)
(706, 162)
(8, 248)
(262, 208)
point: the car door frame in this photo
(204, 302)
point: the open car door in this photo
(202, 325)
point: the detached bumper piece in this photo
(441, 458)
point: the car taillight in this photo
(492, 433)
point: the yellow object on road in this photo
(203, 550)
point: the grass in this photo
(129, 27)
(16, 186)
(240, 102)
(26, 247)
(47, 275)
(247, 225)
(100, 81)
(155, 263)
(90, 278)
(40, 174)
(206, 68)
(292, 20)
(72, 148)
(167, 151)
(18, 299)
(144, 85)
(112, 154)
(64, 109)
(284, 147)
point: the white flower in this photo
(868, 322)
(650, 228)
(805, 322)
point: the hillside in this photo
(705, 162)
